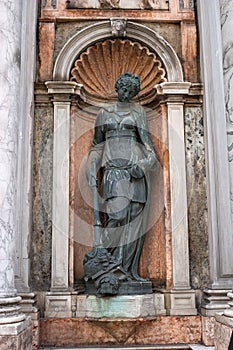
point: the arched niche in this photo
(99, 66)
(181, 299)
(100, 31)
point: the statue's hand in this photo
(137, 172)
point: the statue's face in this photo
(126, 91)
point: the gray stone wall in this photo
(197, 201)
(42, 197)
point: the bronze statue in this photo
(123, 149)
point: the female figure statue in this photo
(123, 148)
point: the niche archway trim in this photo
(100, 31)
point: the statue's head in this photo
(127, 86)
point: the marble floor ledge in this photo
(149, 347)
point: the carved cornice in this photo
(63, 87)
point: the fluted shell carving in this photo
(101, 64)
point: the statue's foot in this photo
(137, 278)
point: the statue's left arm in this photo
(150, 160)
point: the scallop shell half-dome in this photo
(98, 68)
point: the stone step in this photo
(148, 347)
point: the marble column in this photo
(13, 323)
(226, 12)
(217, 157)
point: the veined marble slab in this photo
(120, 4)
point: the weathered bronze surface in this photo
(123, 150)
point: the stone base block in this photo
(16, 336)
(130, 332)
(223, 331)
(120, 306)
(58, 304)
(181, 303)
(208, 325)
(35, 334)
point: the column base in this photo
(215, 300)
(17, 335)
(29, 307)
(59, 304)
(10, 311)
(180, 302)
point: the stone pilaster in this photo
(60, 297)
(15, 328)
(180, 300)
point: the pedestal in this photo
(129, 306)
(224, 326)
(65, 305)
(180, 302)
(29, 307)
(17, 336)
(223, 331)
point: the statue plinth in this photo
(104, 276)
(124, 288)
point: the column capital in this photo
(173, 88)
(63, 87)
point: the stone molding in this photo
(173, 88)
(215, 300)
(102, 30)
(15, 329)
(229, 311)
(10, 310)
(63, 87)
